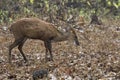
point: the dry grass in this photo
(98, 56)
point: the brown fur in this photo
(35, 28)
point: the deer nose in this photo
(76, 42)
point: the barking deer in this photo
(34, 28)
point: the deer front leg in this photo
(48, 47)
(20, 49)
(50, 50)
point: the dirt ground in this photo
(97, 57)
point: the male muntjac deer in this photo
(34, 28)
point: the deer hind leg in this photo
(20, 48)
(13, 45)
(48, 47)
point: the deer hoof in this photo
(49, 59)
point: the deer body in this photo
(34, 28)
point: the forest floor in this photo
(97, 57)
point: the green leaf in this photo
(109, 3)
(88, 3)
(47, 5)
(31, 1)
(119, 3)
(115, 5)
(23, 1)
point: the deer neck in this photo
(62, 36)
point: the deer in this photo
(35, 28)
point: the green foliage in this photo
(3, 16)
(26, 10)
(46, 5)
(119, 3)
(115, 5)
(41, 8)
(23, 1)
